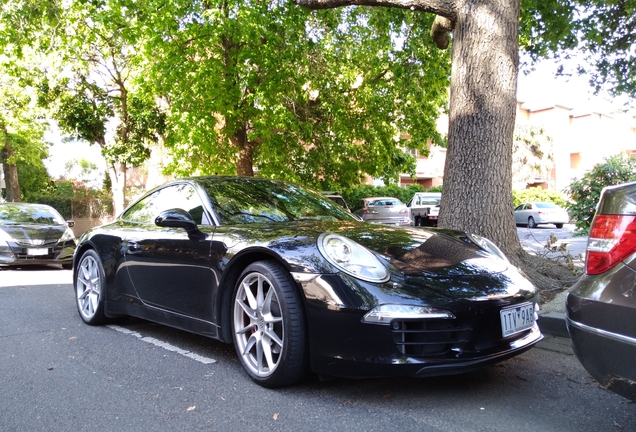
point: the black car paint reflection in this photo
(186, 273)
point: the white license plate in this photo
(37, 252)
(516, 319)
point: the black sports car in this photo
(298, 284)
(34, 234)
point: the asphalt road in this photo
(58, 374)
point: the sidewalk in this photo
(552, 313)
(552, 316)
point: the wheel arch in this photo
(228, 283)
(78, 255)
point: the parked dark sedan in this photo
(34, 234)
(601, 307)
(298, 284)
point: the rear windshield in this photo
(385, 202)
(547, 205)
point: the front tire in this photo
(559, 226)
(268, 326)
(531, 222)
(89, 288)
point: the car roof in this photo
(379, 198)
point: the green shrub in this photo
(74, 200)
(537, 194)
(586, 192)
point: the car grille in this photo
(35, 242)
(449, 338)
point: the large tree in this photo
(91, 87)
(319, 98)
(478, 175)
(21, 127)
(478, 171)
(86, 75)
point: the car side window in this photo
(181, 196)
(519, 207)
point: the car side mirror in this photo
(179, 218)
(70, 223)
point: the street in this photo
(59, 374)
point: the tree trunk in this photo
(245, 161)
(117, 174)
(11, 181)
(478, 173)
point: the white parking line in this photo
(164, 345)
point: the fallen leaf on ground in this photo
(191, 408)
(275, 416)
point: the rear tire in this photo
(559, 226)
(531, 222)
(268, 326)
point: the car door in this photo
(167, 268)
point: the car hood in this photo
(441, 253)
(413, 251)
(34, 234)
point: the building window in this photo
(575, 160)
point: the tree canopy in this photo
(322, 98)
(601, 33)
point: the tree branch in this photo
(445, 8)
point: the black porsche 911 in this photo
(300, 285)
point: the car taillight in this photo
(612, 239)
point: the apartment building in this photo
(581, 139)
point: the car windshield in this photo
(244, 201)
(547, 205)
(12, 214)
(430, 201)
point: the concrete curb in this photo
(553, 323)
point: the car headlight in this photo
(487, 245)
(352, 258)
(383, 314)
(4, 242)
(68, 235)
(4, 237)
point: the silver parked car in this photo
(384, 210)
(533, 214)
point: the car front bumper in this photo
(343, 345)
(14, 255)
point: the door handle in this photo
(133, 247)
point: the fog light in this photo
(384, 314)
